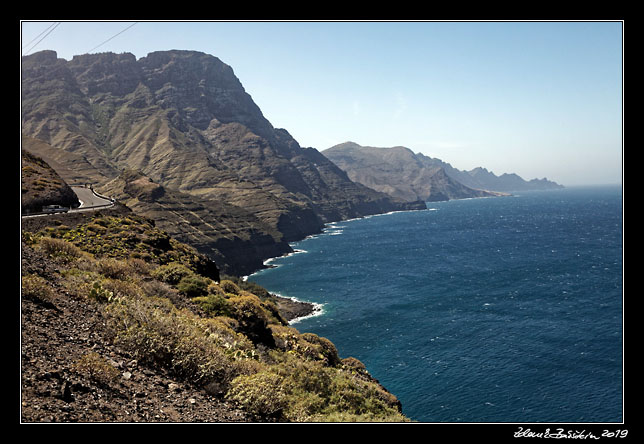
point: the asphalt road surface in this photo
(88, 199)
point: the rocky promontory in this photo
(400, 173)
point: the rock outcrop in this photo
(41, 185)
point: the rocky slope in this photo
(122, 323)
(41, 185)
(399, 172)
(235, 239)
(183, 119)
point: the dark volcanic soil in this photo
(56, 333)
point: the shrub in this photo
(214, 304)
(214, 288)
(60, 249)
(37, 289)
(229, 287)
(97, 368)
(172, 273)
(305, 345)
(158, 289)
(240, 284)
(138, 266)
(200, 361)
(316, 392)
(200, 350)
(324, 347)
(253, 319)
(354, 365)
(261, 394)
(247, 309)
(113, 268)
(193, 285)
(121, 288)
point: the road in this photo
(88, 199)
(89, 202)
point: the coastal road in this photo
(89, 200)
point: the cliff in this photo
(400, 173)
(183, 120)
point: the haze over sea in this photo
(503, 309)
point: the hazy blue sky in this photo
(540, 99)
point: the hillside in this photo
(122, 323)
(399, 172)
(235, 239)
(183, 120)
(41, 185)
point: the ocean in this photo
(493, 310)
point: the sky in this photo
(539, 99)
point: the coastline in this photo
(292, 309)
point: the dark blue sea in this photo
(494, 310)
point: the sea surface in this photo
(495, 310)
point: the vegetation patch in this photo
(226, 337)
(95, 367)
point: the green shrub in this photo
(313, 391)
(324, 347)
(193, 285)
(172, 273)
(214, 304)
(247, 309)
(353, 365)
(240, 284)
(229, 287)
(201, 350)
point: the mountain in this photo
(183, 120)
(399, 172)
(505, 182)
(481, 178)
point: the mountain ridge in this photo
(400, 172)
(184, 120)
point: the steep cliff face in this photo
(400, 173)
(235, 239)
(184, 120)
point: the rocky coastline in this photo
(292, 310)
